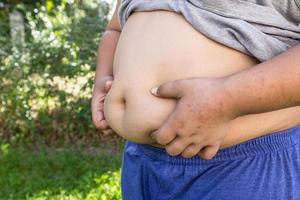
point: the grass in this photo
(65, 174)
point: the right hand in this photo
(101, 88)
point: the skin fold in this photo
(146, 56)
(210, 96)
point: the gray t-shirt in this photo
(260, 28)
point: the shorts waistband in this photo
(261, 145)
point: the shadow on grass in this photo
(59, 174)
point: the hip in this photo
(148, 55)
(266, 167)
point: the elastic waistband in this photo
(268, 143)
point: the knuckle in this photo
(179, 124)
(97, 124)
(183, 134)
(207, 156)
(180, 130)
(178, 144)
(173, 151)
(208, 153)
(199, 139)
(179, 133)
(187, 155)
(190, 152)
(175, 148)
(162, 138)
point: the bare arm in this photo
(104, 70)
(108, 45)
(206, 106)
(268, 86)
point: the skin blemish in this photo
(193, 134)
(200, 116)
(180, 125)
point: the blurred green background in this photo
(50, 148)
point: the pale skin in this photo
(104, 72)
(206, 106)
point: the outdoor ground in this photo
(59, 174)
(49, 146)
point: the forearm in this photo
(268, 86)
(106, 53)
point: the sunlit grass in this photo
(59, 174)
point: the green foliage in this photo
(59, 174)
(46, 82)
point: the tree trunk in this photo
(16, 22)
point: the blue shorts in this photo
(263, 168)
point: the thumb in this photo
(171, 89)
(108, 85)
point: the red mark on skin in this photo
(201, 117)
(180, 125)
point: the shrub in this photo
(46, 82)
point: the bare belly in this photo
(159, 46)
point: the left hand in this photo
(101, 88)
(201, 118)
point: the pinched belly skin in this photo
(156, 47)
(136, 114)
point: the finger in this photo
(163, 136)
(108, 85)
(209, 152)
(97, 114)
(176, 146)
(167, 132)
(171, 89)
(191, 151)
(104, 125)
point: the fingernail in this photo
(154, 91)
